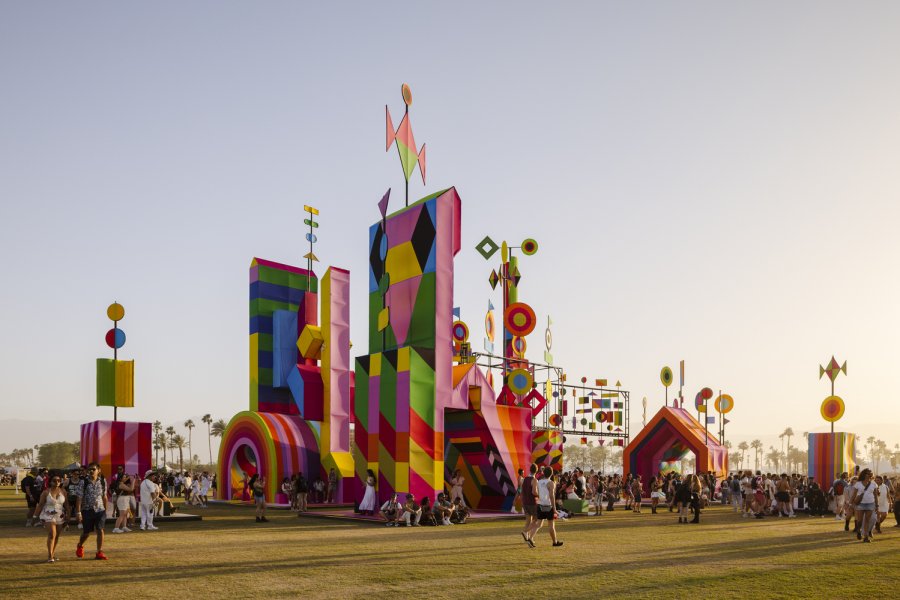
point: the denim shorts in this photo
(865, 506)
(93, 519)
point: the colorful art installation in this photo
(301, 383)
(547, 448)
(114, 443)
(666, 440)
(831, 454)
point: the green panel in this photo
(421, 384)
(387, 390)
(264, 342)
(261, 306)
(421, 328)
(287, 279)
(265, 377)
(106, 382)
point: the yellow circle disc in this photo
(115, 312)
(724, 404)
(832, 408)
(666, 376)
(407, 94)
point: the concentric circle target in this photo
(529, 247)
(407, 94)
(520, 381)
(666, 376)
(555, 420)
(460, 332)
(832, 408)
(519, 319)
(548, 339)
(707, 393)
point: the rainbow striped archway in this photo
(275, 445)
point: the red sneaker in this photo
(100, 556)
(79, 551)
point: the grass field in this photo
(618, 554)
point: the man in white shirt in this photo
(204, 489)
(746, 492)
(149, 493)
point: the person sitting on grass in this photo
(442, 509)
(427, 516)
(411, 511)
(390, 510)
(460, 512)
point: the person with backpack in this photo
(90, 506)
(737, 498)
(837, 492)
(28, 485)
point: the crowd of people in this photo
(56, 499)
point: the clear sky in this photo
(710, 182)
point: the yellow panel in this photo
(402, 482)
(401, 262)
(310, 342)
(403, 359)
(375, 365)
(125, 383)
(475, 397)
(310, 209)
(384, 318)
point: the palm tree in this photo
(156, 452)
(782, 443)
(788, 433)
(870, 442)
(757, 451)
(163, 442)
(772, 457)
(743, 447)
(177, 441)
(208, 420)
(190, 425)
(157, 428)
(218, 428)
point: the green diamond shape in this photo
(487, 247)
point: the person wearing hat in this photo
(149, 493)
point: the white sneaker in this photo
(80, 526)
(117, 530)
(126, 530)
(152, 528)
(792, 516)
(143, 528)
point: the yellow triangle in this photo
(310, 255)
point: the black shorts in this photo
(93, 520)
(544, 514)
(782, 497)
(31, 503)
(530, 509)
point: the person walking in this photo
(529, 502)
(150, 491)
(546, 509)
(91, 508)
(51, 510)
(837, 492)
(123, 502)
(32, 495)
(257, 484)
(695, 497)
(636, 493)
(864, 497)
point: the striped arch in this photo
(273, 444)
